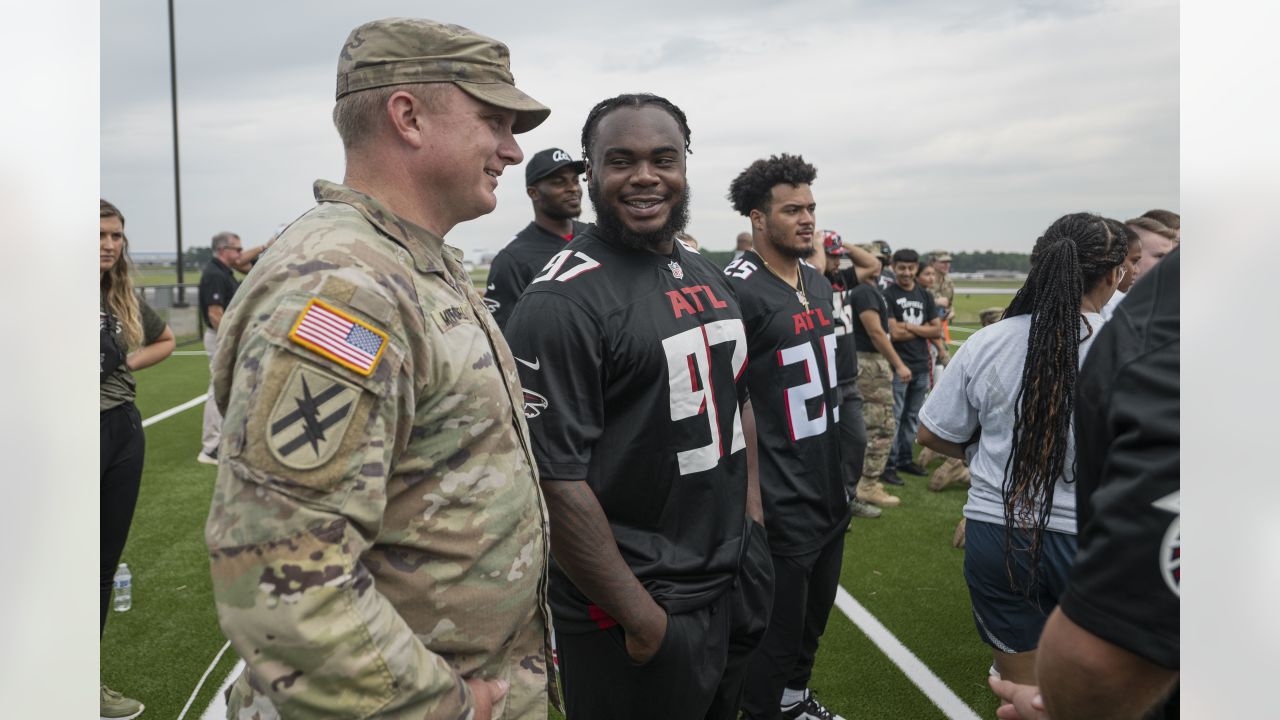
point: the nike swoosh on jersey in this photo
(491, 286)
(531, 365)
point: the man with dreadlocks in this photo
(1005, 404)
(632, 350)
(792, 372)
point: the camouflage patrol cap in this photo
(401, 51)
(940, 255)
(990, 315)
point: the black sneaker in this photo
(890, 477)
(913, 468)
(808, 709)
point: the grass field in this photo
(900, 567)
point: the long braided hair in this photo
(1070, 259)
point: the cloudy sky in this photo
(964, 124)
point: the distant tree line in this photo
(196, 258)
(990, 260)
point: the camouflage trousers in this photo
(875, 382)
(524, 667)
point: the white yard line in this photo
(200, 684)
(217, 709)
(917, 672)
(190, 353)
(175, 410)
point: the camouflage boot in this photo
(949, 472)
(927, 455)
(874, 493)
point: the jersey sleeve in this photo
(949, 411)
(504, 288)
(152, 324)
(559, 350)
(1124, 585)
(309, 439)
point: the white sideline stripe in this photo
(175, 410)
(181, 353)
(217, 709)
(917, 672)
(955, 328)
(203, 677)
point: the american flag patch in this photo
(338, 336)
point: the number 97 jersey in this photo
(632, 365)
(793, 379)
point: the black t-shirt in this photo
(631, 364)
(1124, 585)
(517, 264)
(843, 283)
(217, 287)
(792, 375)
(867, 297)
(912, 307)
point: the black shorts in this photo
(1008, 619)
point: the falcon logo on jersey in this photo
(676, 270)
(534, 404)
(1171, 546)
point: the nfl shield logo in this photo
(676, 270)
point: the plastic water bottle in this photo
(124, 588)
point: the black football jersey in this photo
(631, 364)
(517, 263)
(792, 376)
(842, 285)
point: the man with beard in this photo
(853, 429)
(632, 347)
(551, 181)
(793, 380)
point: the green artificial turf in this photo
(901, 567)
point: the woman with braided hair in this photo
(1005, 405)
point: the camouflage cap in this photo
(990, 315)
(940, 255)
(401, 51)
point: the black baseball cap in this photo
(548, 161)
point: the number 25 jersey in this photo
(631, 364)
(792, 375)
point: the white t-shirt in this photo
(980, 390)
(1110, 308)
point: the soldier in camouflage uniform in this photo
(943, 288)
(377, 536)
(877, 363)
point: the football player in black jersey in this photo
(793, 379)
(853, 429)
(632, 353)
(551, 180)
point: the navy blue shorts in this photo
(1010, 620)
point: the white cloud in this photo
(969, 124)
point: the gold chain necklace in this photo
(801, 295)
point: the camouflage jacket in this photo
(945, 288)
(377, 533)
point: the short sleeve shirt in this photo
(119, 386)
(843, 283)
(792, 374)
(865, 297)
(980, 390)
(632, 369)
(517, 264)
(1125, 584)
(217, 286)
(911, 307)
